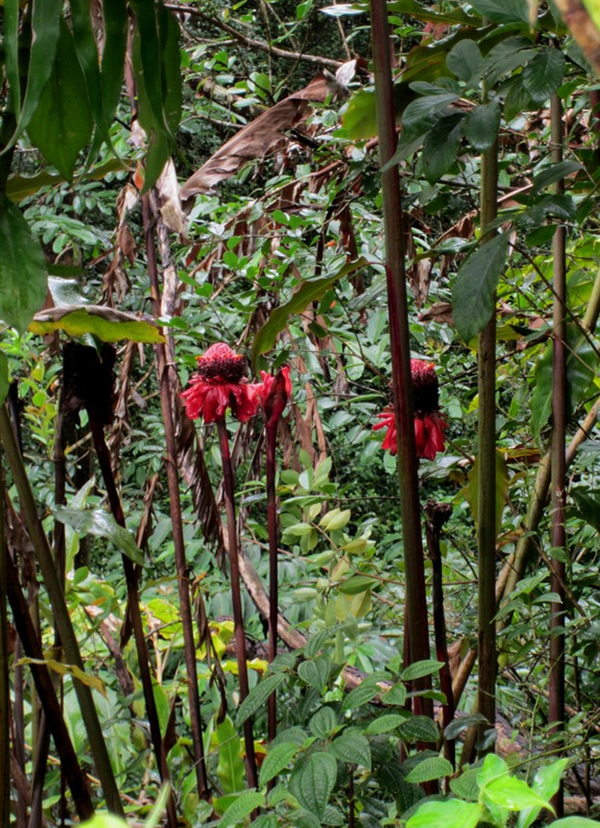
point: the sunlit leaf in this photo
(107, 324)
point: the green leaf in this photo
(466, 786)
(464, 60)
(544, 74)
(335, 519)
(356, 584)
(385, 724)
(553, 174)
(360, 695)
(588, 506)
(62, 669)
(360, 117)
(11, 54)
(230, 770)
(512, 793)
(23, 274)
(258, 696)
(276, 760)
(4, 382)
(471, 490)
(492, 768)
(61, 125)
(429, 14)
(313, 782)
(503, 11)
(546, 783)
(45, 30)
(481, 126)
(434, 767)
(575, 822)
(323, 722)
(316, 672)
(581, 366)
(420, 669)
(395, 695)
(419, 729)
(450, 814)
(87, 57)
(456, 726)
(475, 286)
(306, 293)
(104, 821)
(107, 324)
(425, 106)
(352, 747)
(241, 808)
(441, 145)
(159, 806)
(101, 524)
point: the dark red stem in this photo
(273, 530)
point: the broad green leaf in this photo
(107, 324)
(19, 187)
(276, 760)
(352, 747)
(87, 57)
(430, 14)
(258, 696)
(464, 60)
(323, 722)
(466, 786)
(503, 11)
(450, 814)
(68, 670)
(493, 767)
(241, 808)
(552, 174)
(419, 669)
(456, 726)
(546, 783)
(335, 519)
(356, 584)
(471, 490)
(159, 807)
(61, 125)
(395, 695)
(23, 273)
(100, 523)
(360, 695)
(475, 286)
(306, 293)
(4, 382)
(11, 54)
(512, 793)
(318, 642)
(45, 30)
(588, 505)
(581, 367)
(434, 767)
(481, 126)
(575, 822)
(441, 145)
(313, 781)
(265, 821)
(544, 74)
(425, 106)
(230, 770)
(385, 724)
(419, 729)
(360, 117)
(316, 672)
(104, 821)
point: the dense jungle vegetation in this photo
(299, 396)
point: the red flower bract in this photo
(274, 392)
(219, 384)
(429, 423)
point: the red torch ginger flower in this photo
(274, 392)
(429, 423)
(219, 384)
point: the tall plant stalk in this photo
(183, 583)
(416, 599)
(236, 596)
(273, 532)
(61, 614)
(486, 481)
(556, 713)
(4, 671)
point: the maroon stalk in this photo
(416, 598)
(273, 531)
(236, 595)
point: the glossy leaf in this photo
(101, 524)
(512, 793)
(441, 145)
(352, 747)
(313, 781)
(464, 60)
(425, 106)
(359, 118)
(241, 808)
(575, 822)
(258, 696)
(434, 767)
(420, 669)
(23, 273)
(475, 286)
(544, 74)
(61, 125)
(546, 783)
(306, 293)
(552, 174)
(481, 126)
(450, 814)
(107, 324)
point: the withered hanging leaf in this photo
(107, 324)
(259, 136)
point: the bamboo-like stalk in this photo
(486, 481)
(273, 532)
(416, 598)
(236, 596)
(185, 607)
(556, 705)
(4, 672)
(133, 603)
(61, 614)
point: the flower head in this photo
(429, 423)
(219, 384)
(274, 392)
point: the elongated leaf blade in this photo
(434, 767)
(276, 760)
(107, 324)
(241, 807)
(312, 782)
(100, 523)
(475, 286)
(258, 696)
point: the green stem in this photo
(61, 614)
(416, 599)
(236, 596)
